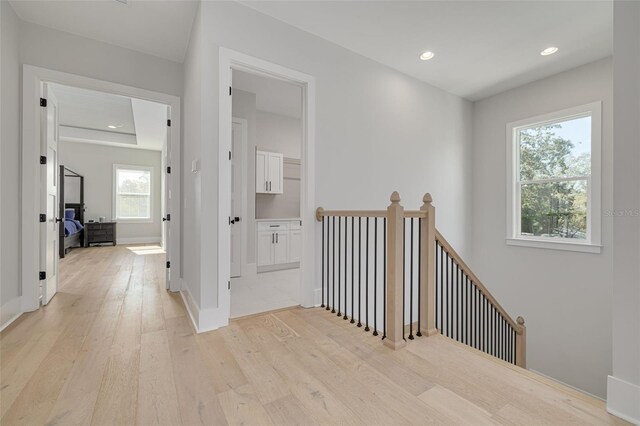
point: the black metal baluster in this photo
(346, 244)
(384, 273)
(448, 297)
(404, 272)
(375, 276)
(419, 333)
(458, 303)
(333, 285)
(359, 271)
(339, 257)
(436, 285)
(366, 281)
(411, 282)
(441, 289)
(465, 306)
(353, 268)
(322, 305)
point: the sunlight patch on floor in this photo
(144, 250)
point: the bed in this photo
(72, 208)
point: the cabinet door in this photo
(262, 167)
(281, 248)
(295, 245)
(276, 171)
(265, 248)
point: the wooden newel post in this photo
(521, 344)
(428, 267)
(395, 242)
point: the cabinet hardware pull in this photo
(276, 238)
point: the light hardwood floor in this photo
(114, 348)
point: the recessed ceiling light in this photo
(549, 51)
(111, 126)
(425, 56)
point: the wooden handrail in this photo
(476, 281)
(320, 213)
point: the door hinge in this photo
(228, 285)
(229, 90)
(169, 217)
(169, 123)
(42, 275)
(43, 217)
(229, 155)
(168, 264)
(43, 159)
(43, 102)
(169, 169)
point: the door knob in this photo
(59, 219)
(164, 219)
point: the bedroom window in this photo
(132, 193)
(554, 180)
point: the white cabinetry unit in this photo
(269, 172)
(279, 244)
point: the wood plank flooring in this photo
(114, 348)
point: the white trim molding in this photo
(623, 399)
(592, 243)
(10, 311)
(231, 60)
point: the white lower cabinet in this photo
(279, 242)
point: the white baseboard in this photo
(10, 311)
(203, 320)
(623, 399)
(138, 240)
(317, 297)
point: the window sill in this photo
(555, 245)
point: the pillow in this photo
(69, 214)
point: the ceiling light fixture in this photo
(111, 126)
(425, 56)
(549, 51)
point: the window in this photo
(554, 180)
(132, 193)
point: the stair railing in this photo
(371, 260)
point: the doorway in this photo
(114, 203)
(277, 246)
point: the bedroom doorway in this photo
(109, 174)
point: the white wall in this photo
(279, 133)
(368, 117)
(191, 182)
(95, 163)
(26, 43)
(565, 297)
(10, 289)
(623, 391)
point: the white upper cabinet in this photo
(269, 172)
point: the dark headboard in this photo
(78, 209)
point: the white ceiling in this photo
(160, 28)
(481, 47)
(272, 95)
(85, 116)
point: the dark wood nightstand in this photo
(99, 233)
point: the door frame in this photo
(230, 60)
(32, 79)
(243, 192)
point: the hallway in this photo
(114, 348)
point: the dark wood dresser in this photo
(100, 233)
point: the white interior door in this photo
(49, 255)
(236, 199)
(166, 220)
